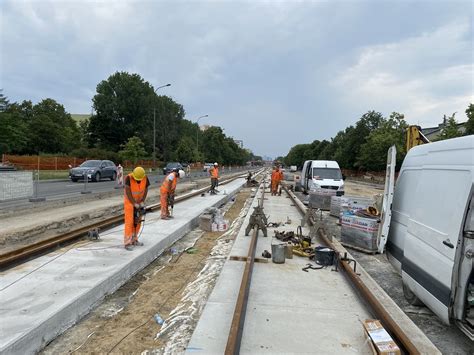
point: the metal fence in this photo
(15, 185)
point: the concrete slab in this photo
(289, 311)
(42, 298)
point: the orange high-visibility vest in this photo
(277, 175)
(169, 186)
(214, 173)
(281, 175)
(137, 188)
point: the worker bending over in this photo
(214, 172)
(167, 192)
(277, 177)
(136, 189)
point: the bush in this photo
(96, 153)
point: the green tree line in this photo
(126, 110)
(364, 146)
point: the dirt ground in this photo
(124, 322)
(355, 188)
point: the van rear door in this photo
(463, 276)
(386, 213)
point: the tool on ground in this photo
(345, 258)
(258, 220)
(93, 234)
(309, 266)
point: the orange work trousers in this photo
(164, 204)
(275, 184)
(131, 231)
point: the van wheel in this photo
(411, 297)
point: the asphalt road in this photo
(63, 189)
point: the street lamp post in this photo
(197, 133)
(154, 125)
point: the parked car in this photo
(95, 170)
(171, 166)
(207, 166)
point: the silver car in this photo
(95, 170)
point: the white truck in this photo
(431, 230)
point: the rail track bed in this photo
(256, 306)
(44, 296)
(263, 307)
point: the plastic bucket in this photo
(278, 253)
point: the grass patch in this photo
(80, 117)
(53, 174)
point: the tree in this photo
(124, 108)
(45, 127)
(296, 155)
(450, 129)
(13, 133)
(3, 101)
(186, 150)
(373, 153)
(470, 120)
(169, 115)
(52, 129)
(133, 150)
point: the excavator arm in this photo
(414, 137)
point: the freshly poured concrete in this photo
(43, 297)
(289, 310)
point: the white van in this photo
(431, 235)
(324, 174)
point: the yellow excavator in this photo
(415, 137)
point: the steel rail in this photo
(238, 320)
(387, 321)
(16, 256)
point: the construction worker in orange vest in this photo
(214, 172)
(136, 189)
(277, 177)
(167, 192)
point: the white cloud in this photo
(423, 77)
(271, 66)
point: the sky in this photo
(272, 73)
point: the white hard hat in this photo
(216, 163)
(181, 174)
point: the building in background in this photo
(239, 142)
(432, 133)
(204, 127)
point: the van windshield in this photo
(327, 173)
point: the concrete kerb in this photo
(58, 322)
(417, 337)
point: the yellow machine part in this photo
(415, 137)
